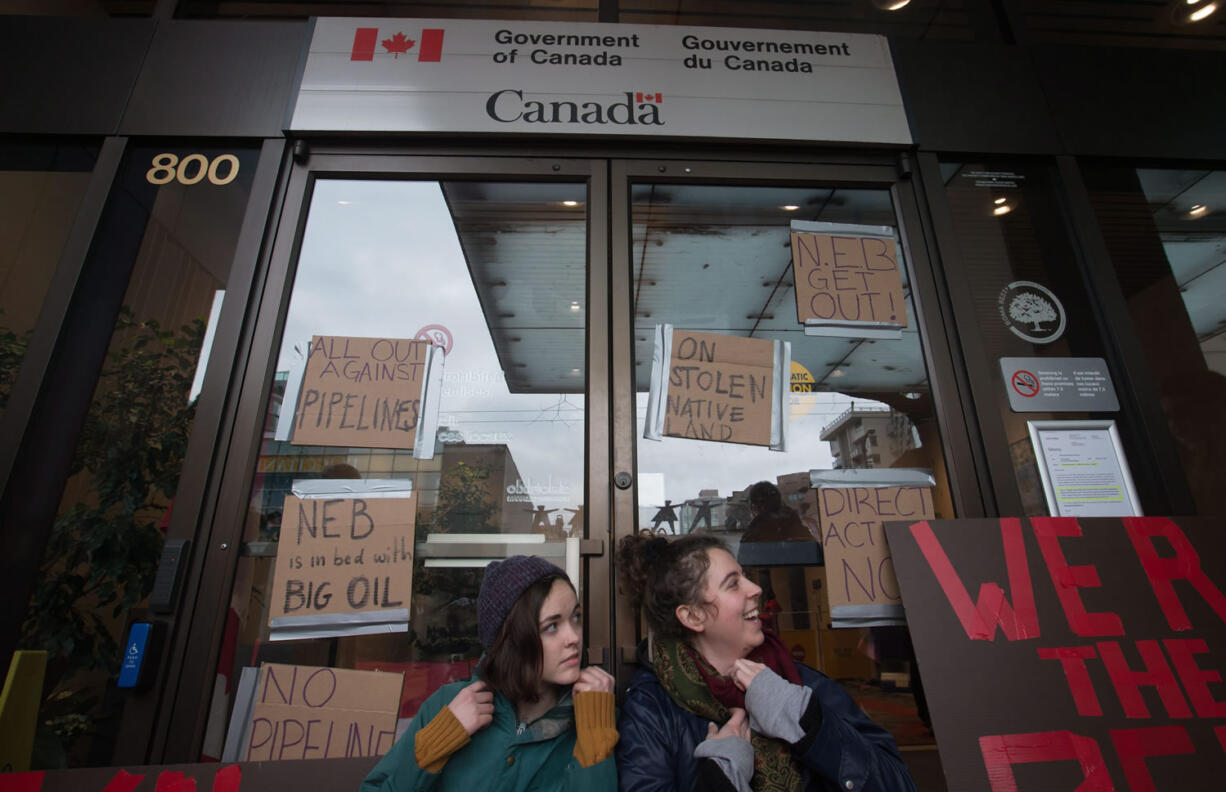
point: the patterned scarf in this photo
(697, 687)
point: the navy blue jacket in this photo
(842, 749)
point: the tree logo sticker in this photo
(1031, 311)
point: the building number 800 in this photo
(192, 169)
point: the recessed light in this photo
(891, 5)
(1000, 201)
(574, 371)
(789, 208)
(837, 373)
(1201, 13)
(1198, 210)
(1003, 209)
(343, 203)
(570, 203)
(574, 306)
(912, 395)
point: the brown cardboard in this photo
(847, 279)
(720, 388)
(1070, 653)
(361, 392)
(859, 568)
(304, 712)
(343, 555)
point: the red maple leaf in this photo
(398, 44)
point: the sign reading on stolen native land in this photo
(302, 712)
(1069, 653)
(344, 564)
(860, 583)
(720, 388)
(362, 392)
(848, 281)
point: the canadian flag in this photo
(365, 39)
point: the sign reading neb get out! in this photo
(414, 75)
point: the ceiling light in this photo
(574, 306)
(343, 203)
(1203, 12)
(837, 373)
(891, 5)
(570, 203)
(1003, 209)
(1198, 210)
(1000, 201)
(912, 395)
(574, 371)
(789, 208)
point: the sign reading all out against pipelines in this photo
(343, 556)
(720, 388)
(859, 568)
(361, 392)
(304, 712)
(1066, 653)
(847, 280)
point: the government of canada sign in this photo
(412, 75)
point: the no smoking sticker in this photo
(1025, 383)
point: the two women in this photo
(718, 703)
(534, 719)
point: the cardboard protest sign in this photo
(367, 393)
(708, 386)
(303, 712)
(860, 583)
(1066, 653)
(848, 281)
(344, 563)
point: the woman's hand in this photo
(594, 678)
(737, 726)
(473, 707)
(745, 671)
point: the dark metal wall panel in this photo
(225, 79)
(973, 97)
(1136, 102)
(68, 76)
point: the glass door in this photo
(708, 258)
(430, 331)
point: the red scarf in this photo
(771, 653)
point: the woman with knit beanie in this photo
(533, 718)
(718, 703)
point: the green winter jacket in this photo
(499, 757)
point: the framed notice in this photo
(848, 280)
(723, 388)
(344, 559)
(853, 507)
(1083, 469)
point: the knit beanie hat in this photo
(504, 581)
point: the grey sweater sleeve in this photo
(734, 757)
(775, 706)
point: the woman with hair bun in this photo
(719, 703)
(534, 719)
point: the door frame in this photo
(179, 732)
(886, 171)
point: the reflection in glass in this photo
(718, 259)
(495, 274)
(40, 190)
(1166, 234)
(173, 243)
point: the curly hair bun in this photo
(635, 554)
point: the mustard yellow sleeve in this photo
(434, 744)
(595, 727)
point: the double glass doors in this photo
(543, 286)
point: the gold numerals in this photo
(192, 169)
